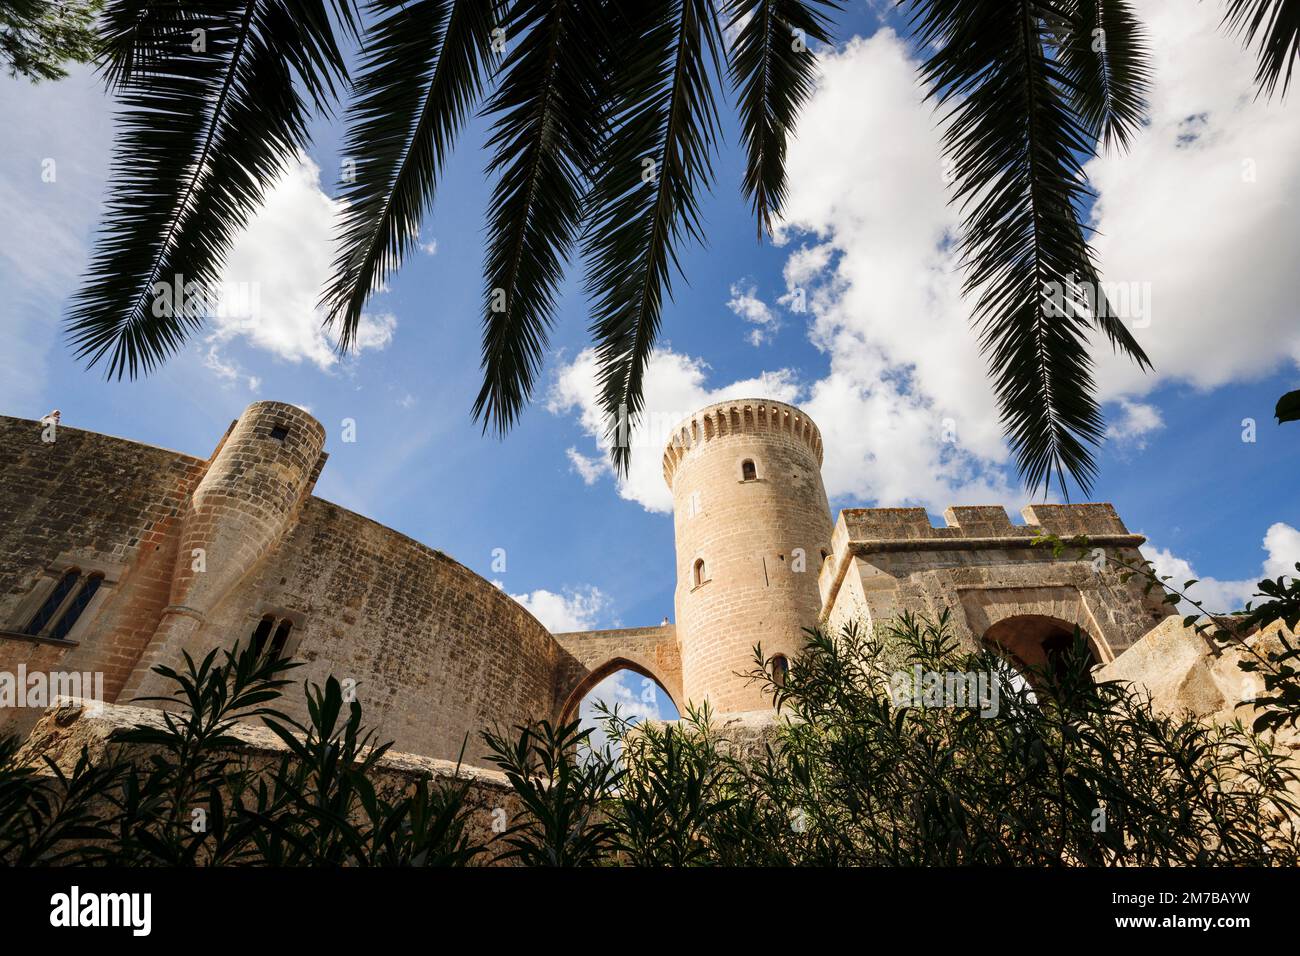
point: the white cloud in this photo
(577, 609)
(746, 304)
(429, 248)
(881, 290)
(1203, 209)
(275, 273)
(883, 283)
(877, 274)
(674, 388)
(1282, 546)
(633, 694)
(590, 468)
(636, 698)
(1135, 421)
(228, 371)
(1282, 542)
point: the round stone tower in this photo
(238, 513)
(752, 525)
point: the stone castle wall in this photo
(192, 555)
(989, 573)
(435, 652)
(100, 504)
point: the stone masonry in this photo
(189, 554)
(752, 525)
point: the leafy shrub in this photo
(191, 801)
(1059, 771)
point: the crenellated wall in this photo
(999, 585)
(191, 554)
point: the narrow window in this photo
(747, 471)
(281, 639)
(52, 603)
(780, 669)
(279, 433)
(699, 571)
(263, 632)
(68, 620)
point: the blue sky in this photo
(1199, 219)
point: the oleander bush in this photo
(1057, 770)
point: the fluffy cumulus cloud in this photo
(1197, 226)
(905, 407)
(1200, 215)
(575, 609)
(745, 303)
(275, 272)
(675, 386)
(1282, 550)
(1133, 422)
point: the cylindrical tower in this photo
(238, 513)
(752, 525)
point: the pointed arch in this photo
(569, 708)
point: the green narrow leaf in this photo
(1016, 147)
(213, 113)
(1274, 26)
(645, 197)
(1105, 54)
(548, 119)
(423, 66)
(1288, 410)
(772, 69)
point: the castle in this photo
(116, 557)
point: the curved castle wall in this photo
(761, 541)
(434, 652)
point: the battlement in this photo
(882, 525)
(864, 531)
(757, 416)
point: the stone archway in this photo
(1035, 643)
(569, 707)
(986, 608)
(586, 658)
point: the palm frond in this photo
(1276, 24)
(212, 116)
(772, 70)
(1016, 146)
(548, 124)
(1105, 56)
(423, 67)
(644, 200)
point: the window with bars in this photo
(272, 636)
(64, 605)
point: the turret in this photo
(246, 501)
(752, 526)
